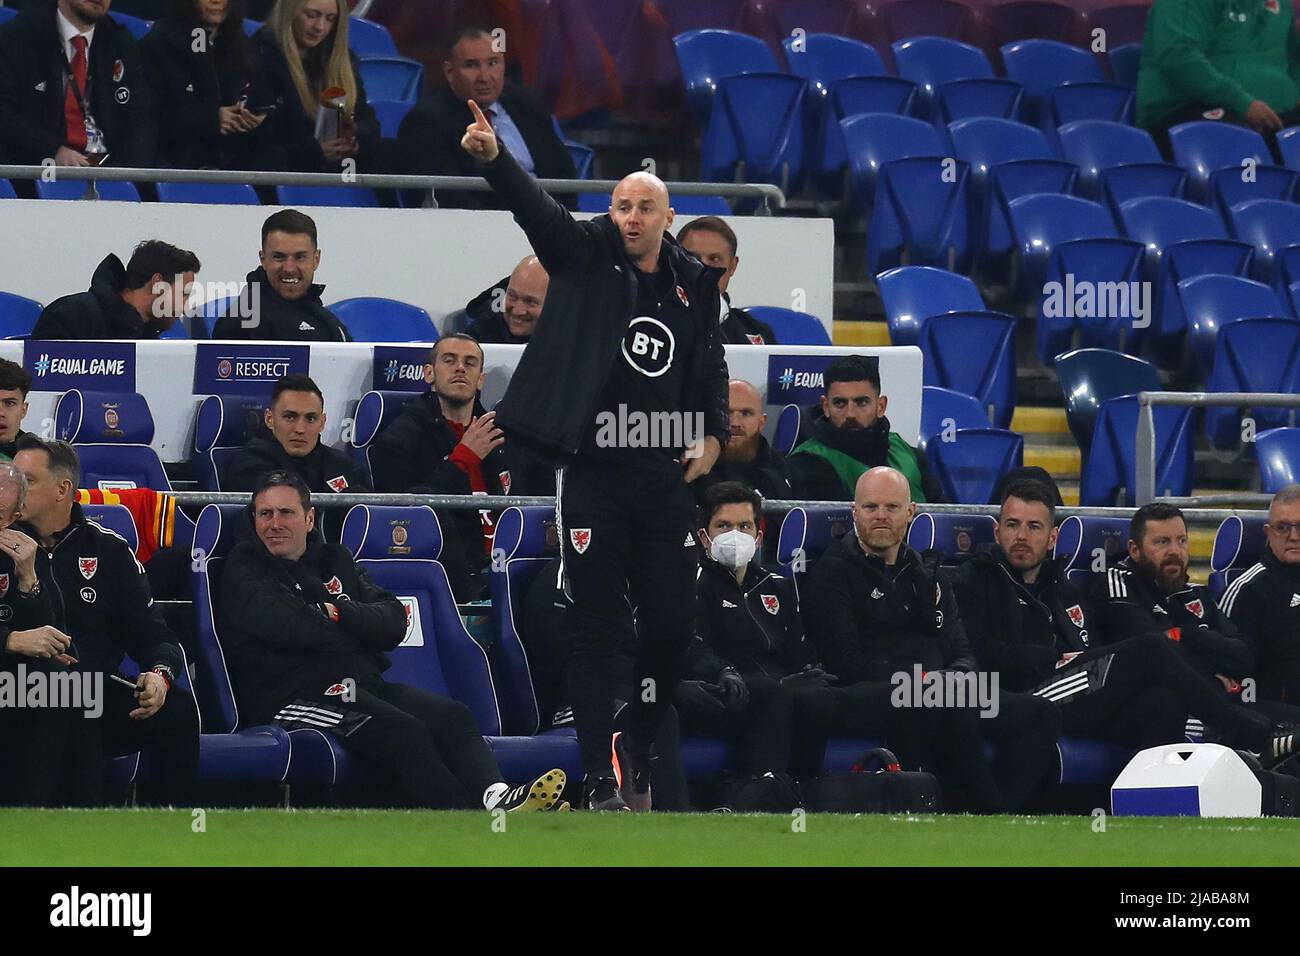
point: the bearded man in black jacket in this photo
(306, 632)
(628, 342)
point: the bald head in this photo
(525, 296)
(640, 210)
(882, 510)
(747, 422)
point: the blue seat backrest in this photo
(805, 534)
(226, 421)
(975, 353)
(970, 467)
(1090, 376)
(985, 141)
(708, 56)
(944, 410)
(786, 436)
(437, 654)
(955, 536)
(18, 314)
(1112, 461)
(374, 319)
(367, 38)
(375, 412)
(912, 294)
(114, 518)
(791, 327)
(214, 536)
(109, 417)
(1252, 355)
(1091, 544)
(1238, 544)
(1278, 451)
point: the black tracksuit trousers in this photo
(627, 540)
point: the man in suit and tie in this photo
(429, 138)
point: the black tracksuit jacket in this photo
(1018, 631)
(1264, 605)
(98, 313)
(317, 468)
(279, 319)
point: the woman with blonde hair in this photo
(304, 53)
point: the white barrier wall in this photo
(437, 259)
(174, 377)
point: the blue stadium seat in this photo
(7, 13)
(136, 26)
(221, 427)
(251, 26)
(236, 752)
(1238, 544)
(1252, 355)
(6, 187)
(1039, 65)
(1040, 222)
(112, 432)
(873, 139)
(1212, 301)
(1271, 226)
(1007, 160)
(373, 319)
(375, 411)
(114, 518)
(1278, 450)
(975, 353)
(1071, 102)
(109, 191)
(912, 294)
(954, 80)
(707, 56)
(353, 196)
(437, 654)
(791, 327)
(1124, 60)
(954, 536)
(367, 38)
(1213, 153)
(18, 314)
(944, 410)
(756, 131)
(823, 59)
(1090, 377)
(1288, 145)
(786, 435)
(1100, 282)
(228, 194)
(584, 158)
(920, 215)
(849, 97)
(1089, 544)
(392, 78)
(390, 114)
(1118, 162)
(1182, 239)
(970, 467)
(806, 533)
(1110, 470)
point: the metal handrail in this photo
(1145, 440)
(771, 195)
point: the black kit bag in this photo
(888, 789)
(768, 793)
(1279, 792)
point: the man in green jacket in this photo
(1237, 61)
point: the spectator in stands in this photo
(103, 603)
(446, 443)
(713, 242)
(747, 457)
(305, 631)
(1148, 593)
(286, 304)
(876, 612)
(429, 138)
(1197, 67)
(849, 434)
(1028, 622)
(140, 300)
(1262, 602)
(73, 88)
(15, 383)
(303, 54)
(296, 418)
(212, 110)
(507, 313)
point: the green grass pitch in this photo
(408, 838)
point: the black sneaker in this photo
(601, 794)
(1284, 744)
(542, 794)
(632, 771)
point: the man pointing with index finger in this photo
(624, 385)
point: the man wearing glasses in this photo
(1264, 603)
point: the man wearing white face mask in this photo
(752, 673)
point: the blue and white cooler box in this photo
(1186, 780)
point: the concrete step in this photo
(1039, 420)
(849, 332)
(1061, 462)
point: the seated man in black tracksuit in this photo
(747, 457)
(1033, 626)
(445, 443)
(753, 675)
(305, 632)
(280, 302)
(507, 313)
(102, 602)
(1148, 593)
(849, 433)
(713, 242)
(1264, 603)
(140, 300)
(877, 614)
